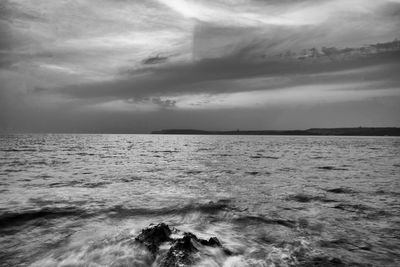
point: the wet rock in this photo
(183, 250)
(212, 242)
(153, 236)
(181, 253)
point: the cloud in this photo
(154, 60)
(166, 103)
(235, 73)
(296, 95)
(109, 36)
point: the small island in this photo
(356, 131)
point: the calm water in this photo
(77, 200)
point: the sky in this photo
(134, 66)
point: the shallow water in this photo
(79, 200)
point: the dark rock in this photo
(153, 236)
(181, 252)
(185, 243)
(227, 252)
(212, 242)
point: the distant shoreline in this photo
(359, 131)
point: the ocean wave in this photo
(9, 219)
(193, 172)
(18, 150)
(246, 220)
(98, 253)
(166, 151)
(207, 208)
(258, 156)
(346, 243)
(340, 190)
(305, 198)
(331, 168)
(159, 245)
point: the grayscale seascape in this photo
(199, 133)
(80, 200)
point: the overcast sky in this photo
(142, 65)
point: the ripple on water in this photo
(283, 201)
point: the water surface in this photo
(78, 200)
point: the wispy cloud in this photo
(237, 73)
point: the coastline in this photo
(360, 131)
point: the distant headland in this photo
(358, 131)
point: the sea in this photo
(81, 199)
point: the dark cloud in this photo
(5, 31)
(5, 60)
(390, 10)
(209, 75)
(13, 16)
(154, 60)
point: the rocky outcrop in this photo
(153, 236)
(182, 251)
